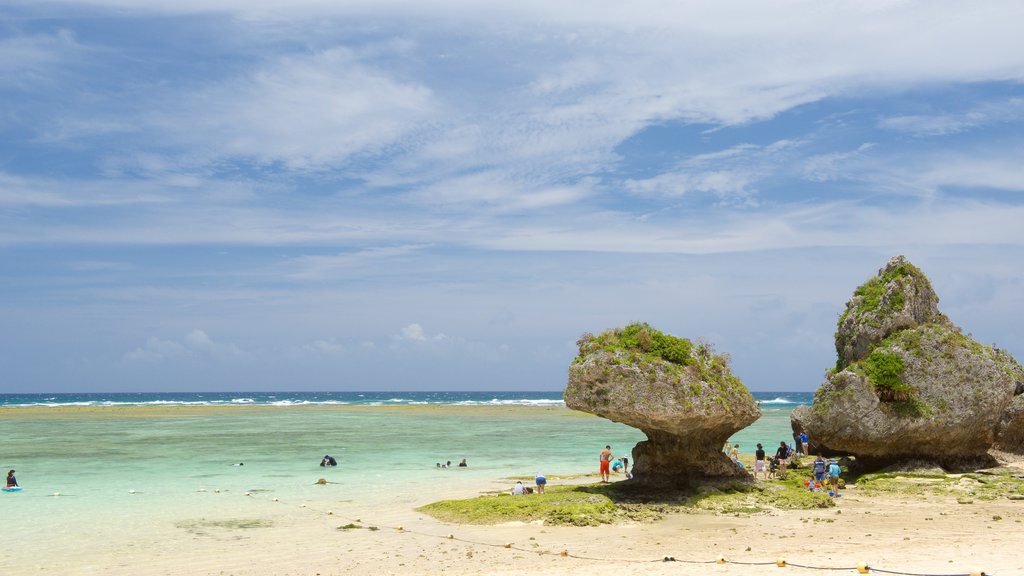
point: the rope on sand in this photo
(861, 568)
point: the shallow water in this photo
(174, 458)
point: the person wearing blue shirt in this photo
(834, 471)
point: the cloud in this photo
(730, 174)
(195, 344)
(307, 111)
(414, 333)
(325, 348)
(30, 60)
(1011, 110)
(319, 267)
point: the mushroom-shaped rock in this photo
(909, 385)
(682, 396)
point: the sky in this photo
(257, 195)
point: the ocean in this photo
(148, 464)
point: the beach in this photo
(159, 490)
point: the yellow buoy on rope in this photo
(780, 562)
(862, 568)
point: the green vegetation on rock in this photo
(639, 339)
(883, 369)
(873, 291)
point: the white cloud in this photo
(156, 350)
(319, 267)
(307, 111)
(414, 333)
(29, 60)
(327, 348)
(195, 344)
(730, 174)
(942, 124)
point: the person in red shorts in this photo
(606, 460)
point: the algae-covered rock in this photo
(682, 396)
(1010, 435)
(899, 297)
(908, 383)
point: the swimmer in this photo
(12, 482)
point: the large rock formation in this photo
(908, 384)
(683, 397)
(1010, 434)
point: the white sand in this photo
(934, 535)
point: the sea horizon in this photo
(302, 398)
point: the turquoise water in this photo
(174, 458)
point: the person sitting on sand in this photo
(734, 454)
(541, 482)
(463, 463)
(12, 482)
(518, 489)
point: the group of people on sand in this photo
(767, 467)
(608, 464)
(448, 464)
(824, 475)
(539, 480)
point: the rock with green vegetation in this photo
(898, 298)
(1010, 435)
(682, 395)
(909, 384)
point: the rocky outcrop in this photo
(908, 384)
(1010, 435)
(683, 397)
(900, 297)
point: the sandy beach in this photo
(901, 534)
(148, 491)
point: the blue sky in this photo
(394, 195)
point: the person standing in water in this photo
(606, 463)
(12, 482)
